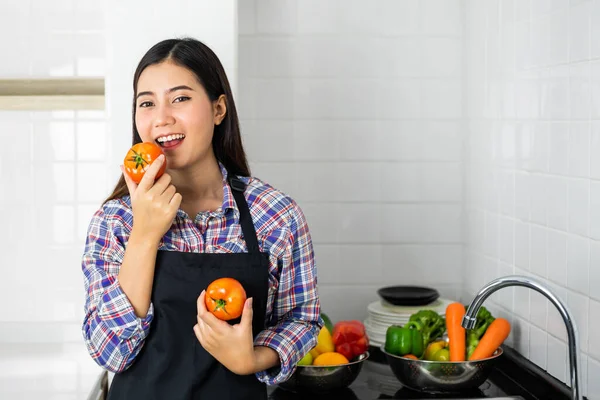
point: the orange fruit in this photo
(330, 358)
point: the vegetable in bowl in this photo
(484, 319)
(432, 325)
(439, 363)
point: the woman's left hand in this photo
(231, 345)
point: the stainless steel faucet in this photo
(470, 318)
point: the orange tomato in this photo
(225, 298)
(138, 159)
(411, 356)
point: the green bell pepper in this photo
(404, 340)
(328, 323)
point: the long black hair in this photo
(206, 66)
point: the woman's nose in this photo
(164, 116)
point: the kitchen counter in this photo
(46, 371)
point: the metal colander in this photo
(322, 379)
(441, 377)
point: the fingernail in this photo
(250, 302)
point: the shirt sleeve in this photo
(296, 313)
(113, 333)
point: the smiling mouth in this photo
(170, 141)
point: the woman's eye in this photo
(181, 98)
(145, 104)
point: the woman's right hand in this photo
(154, 204)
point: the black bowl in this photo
(408, 295)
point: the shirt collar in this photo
(228, 200)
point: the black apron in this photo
(172, 364)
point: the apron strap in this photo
(238, 187)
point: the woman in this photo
(154, 247)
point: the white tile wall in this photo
(360, 104)
(53, 183)
(531, 85)
(58, 38)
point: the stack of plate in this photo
(382, 314)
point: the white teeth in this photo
(164, 139)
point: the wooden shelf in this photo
(52, 87)
(52, 94)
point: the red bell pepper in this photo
(350, 338)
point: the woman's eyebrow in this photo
(173, 89)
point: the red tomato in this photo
(225, 298)
(138, 159)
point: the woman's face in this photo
(174, 111)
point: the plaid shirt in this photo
(113, 333)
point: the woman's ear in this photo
(219, 109)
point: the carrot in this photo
(456, 333)
(493, 337)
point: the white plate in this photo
(386, 310)
(388, 320)
(376, 341)
(377, 327)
